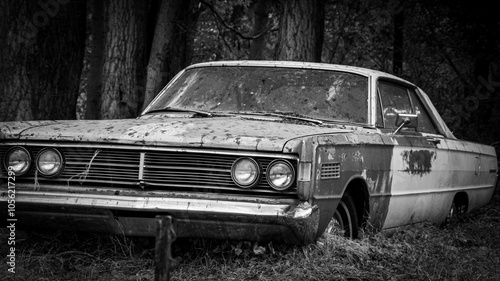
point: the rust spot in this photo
(419, 161)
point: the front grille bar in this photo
(141, 166)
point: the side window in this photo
(396, 99)
(424, 122)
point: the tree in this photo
(41, 55)
(124, 58)
(96, 59)
(301, 30)
(170, 51)
(257, 46)
(479, 26)
(451, 50)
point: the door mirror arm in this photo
(406, 120)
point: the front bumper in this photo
(195, 214)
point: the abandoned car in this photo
(251, 150)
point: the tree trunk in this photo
(15, 47)
(124, 59)
(257, 46)
(170, 52)
(301, 30)
(42, 59)
(96, 58)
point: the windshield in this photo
(320, 94)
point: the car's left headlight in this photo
(245, 172)
(280, 174)
(49, 162)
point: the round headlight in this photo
(280, 175)
(19, 159)
(245, 172)
(49, 162)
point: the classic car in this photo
(251, 150)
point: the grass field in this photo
(469, 250)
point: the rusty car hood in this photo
(220, 132)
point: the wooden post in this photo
(165, 235)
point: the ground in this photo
(468, 250)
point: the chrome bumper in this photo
(291, 221)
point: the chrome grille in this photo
(100, 165)
(161, 169)
(193, 169)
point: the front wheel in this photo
(345, 218)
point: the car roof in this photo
(304, 65)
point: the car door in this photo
(421, 176)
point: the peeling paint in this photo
(4, 130)
(219, 132)
(419, 161)
(357, 156)
(331, 154)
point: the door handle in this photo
(435, 141)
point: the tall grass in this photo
(469, 250)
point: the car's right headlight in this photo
(280, 175)
(19, 159)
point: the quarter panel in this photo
(427, 177)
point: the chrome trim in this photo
(196, 215)
(155, 148)
(444, 190)
(156, 204)
(141, 166)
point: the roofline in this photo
(304, 65)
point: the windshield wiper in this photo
(173, 109)
(289, 115)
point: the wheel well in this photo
(358, 189)
(462, 201)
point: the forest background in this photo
(78, 59)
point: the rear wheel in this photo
(345, 218)
(456, 212)
(452, 216)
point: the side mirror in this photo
(404, 120)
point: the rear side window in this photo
(395, 99)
